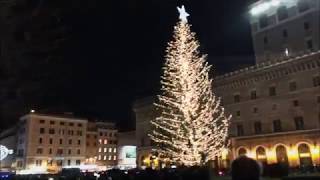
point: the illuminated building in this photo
(282, 28)
(47, 143)
(102, 140)
(276, 102)
(144, 111)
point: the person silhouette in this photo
(245, 168)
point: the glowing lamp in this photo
(4, 152)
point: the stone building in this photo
(276, 102)
(50, 142)
(102, 140)
(144, 111)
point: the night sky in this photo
(116, 49)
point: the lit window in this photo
(100, 141)
(110, 150)
(99, 150)
(104, 157)
(99, 157)
(105, 141)
(114, 158)
(114, 150)
(105, 150)
(109, 158)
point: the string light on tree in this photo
(192, 127)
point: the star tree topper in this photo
(183, 14)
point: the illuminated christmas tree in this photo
(192, 127)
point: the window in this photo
(104, 157)
(316, 81)
(41, 121)
(257, 128)
(114, 150)
(109, 158)
(59, 151)
(299, 123)
(78, 151)
(62, 123)
(114, 158)
(265, 40)
(79, 125)
(100, 141)
(282, 13)
(110, 150)
(272, 91)
(79, 142)
(69, 162)
(253, 94)
(292, 86)
(295, 103)
(284, 33)
(274, 107)
(50, 141)
(240, 130)
(51, 131)
(238, 113)
(78, 162)
(277, 125)
(38, 162)
(303, 6)
(79, 133)
(306, 26)
(52, 122)
(255, 110)
(59, 162)
(236, 98)
(105, 141)
(50, 151)
(99, 157)
(40, 140)
(60, 141)
(263, 21)
(105, 150)
(309, 44)
(101, 134)
(39, 150)
(69, 151)
(70, 141)
(71, 124)
(99, 150)
(42, 131)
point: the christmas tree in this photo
(192, 127)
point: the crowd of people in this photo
(243, 168)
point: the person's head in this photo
(244, 168)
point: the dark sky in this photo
(117, 46)
(121, 46)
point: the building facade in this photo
(107, 144)
(276, 102)
(284, 28)
(145, 111)
(48, 143)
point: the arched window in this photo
(242, 152)
(281, 153)
(304, 155)
(261, 154)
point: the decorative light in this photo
(32, 111)
(192, 127)
(4, 152)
